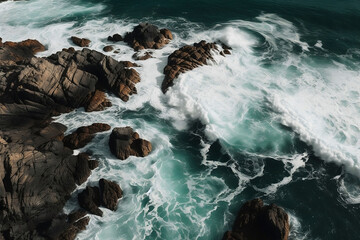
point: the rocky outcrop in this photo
(64, 81)
(84, 135)
(38, 175)
(98, 102)
(12, 52)
(107, 195)
(256, 221)
(124, 142)
(38, 172)
(115, 38)
(66, 227)
(81, 42)
(146, 35)
(185, 59)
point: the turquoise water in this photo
(277, 119)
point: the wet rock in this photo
(98, 102)
(146, 35)
(186, 59)
(124, 142)
(84, 135)
(110, 193)
(142, 56)
(12, 52)
(90, 200)
(38, 175)
(81, 42)
(115, 38)
(69, 50)
(62, 82)
(108, 48)
(256, 221)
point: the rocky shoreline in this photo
(37, 166)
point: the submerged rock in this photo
(108, 48)
(185, 59)
(84, 135)
(124, 142)
(81, 42)
(256, 221)
(146, 35)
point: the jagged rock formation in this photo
(186, 59)
(38, 172)
(38, 175)
(256, 221)
(12, 52)
(64, 81)
(124, 142)
(107, 195)
(84, 135)
(146, 35)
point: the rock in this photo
(66, 227)
(12, 52)
(62, 82)
(93, 197)
(124, 142)
(81, 42)
(186, 59)
(146, 35)
(84, 135)
(108, 48)
(145, 56)
(89, 199)
(38, 175)
(110, 193)
(69, 50)
(115, 38)
(256, 221)
(98, 102)
(167, 33)
(82, 168)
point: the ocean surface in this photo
(278, 119)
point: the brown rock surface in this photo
(185, 59)
(81, 42)
(146, 35)
(124, 142)
(84, 135)
(98, 102)
(12, 52)
(38, 175)
(110, 193)
(108, 48)
(256, 221)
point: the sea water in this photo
(277, 119)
